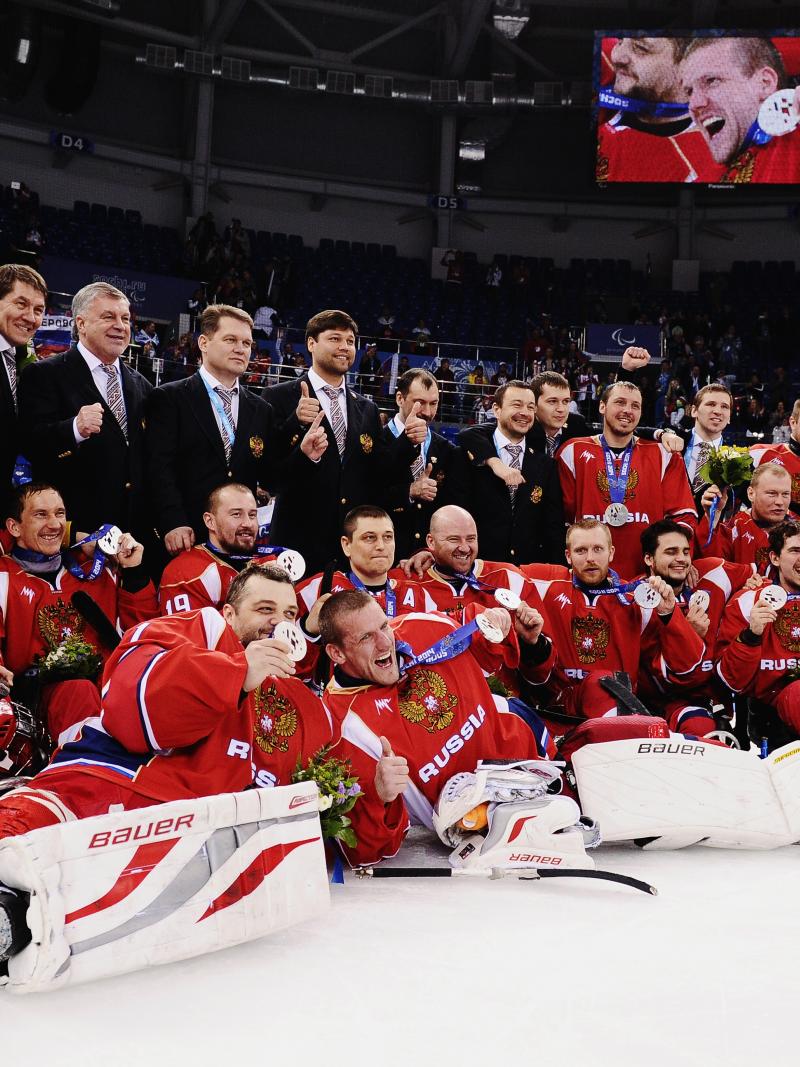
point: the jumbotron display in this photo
(708, 108)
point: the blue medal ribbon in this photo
(655, 108)
(391, 599)
(27, 555)
(618, 588)
(617, 483)
(447, 647)
(755, 136)
(258, 550)
(470, 579)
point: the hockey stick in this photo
(96, 617)
(524, 874)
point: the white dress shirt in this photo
(318, 384)
(501, 443)
(212, 383)
(100, 378)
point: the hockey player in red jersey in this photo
(622, 481)
(37, 583)
(745, 537)
(410, 719)
(199, 577)
(686, 701)
(787, 456)
(759, 641)
(598, 627)
(651, 137)
(726, 81)
(183, 697)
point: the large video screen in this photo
(711, 107)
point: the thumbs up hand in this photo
(391, 774)
(307, 406)
(416, 427)
(425, 487)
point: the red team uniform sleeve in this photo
(181, 694)
(566, 476)
(137, 607)
(737, 663)
(672, 648)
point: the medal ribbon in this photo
(391, 599)
(258, 550)
(658, 109)
(470, 579)
(27, 555)
(447, 647)
(217, 404)
(617, 483)
(618, 588)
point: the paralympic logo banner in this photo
(608, 341)
(158, 296)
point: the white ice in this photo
(448, 971)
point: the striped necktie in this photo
(114, 399)
(514, 451)
(703, 450)
(337, 417)
(226, 396)
(10, 358)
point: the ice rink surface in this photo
(447, 971)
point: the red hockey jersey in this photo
(739, 540)
(290, 723)
(442, 718)
(761, 670)
(657, 489)
(36, 616)
(197, 578)
(628, 154)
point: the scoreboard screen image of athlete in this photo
(709, 107)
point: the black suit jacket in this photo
(186, 456)
(10, 445)
(530, 531)
(103, 478)
(313, 498)
(412, 518)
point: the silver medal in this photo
(616, 515)
(777, 115)
(109, 543)
(646, 596)
(507, 598)
(492, 633)
(294, 637)
(700, 598)
(774, 595)
(293, 563)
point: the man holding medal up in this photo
(622, 481)
(37, 582)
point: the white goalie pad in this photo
(120, 892)
(547, 832)
(684, 792)
(490, 783)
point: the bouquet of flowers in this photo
(72, 658)
(338, 793)
(728, 465)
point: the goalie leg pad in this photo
(116, 893)
(684, 792)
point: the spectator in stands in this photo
(730, 355)
(500, 376)
(204, 232)
(354, 465)
(81, 415)
(207, 430)
(23, 296)
(299, 366)
(446, 380)
(779, 424)
(370, 373)
(263, 322)
(386, 320)
(421, 335)
(147, 335)
(756, 418)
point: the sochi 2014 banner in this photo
(714, 107)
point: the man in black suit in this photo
(81, 416)
(23, 299)
(521, 523)
(711, 410)
(358, 465)
(429, 480)
(208, 429)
